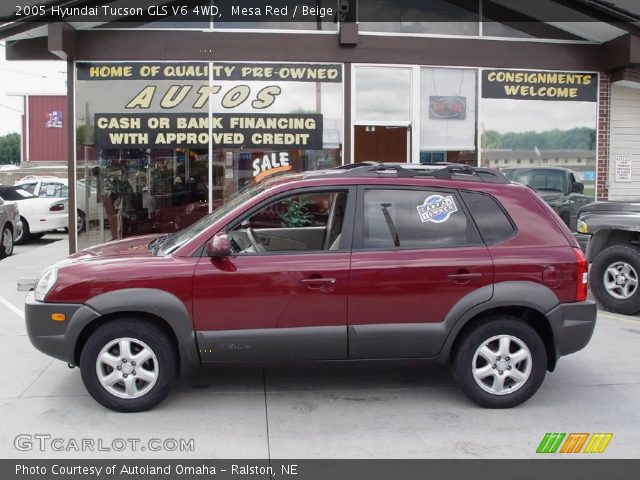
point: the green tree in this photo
(10, 148)
(581, 138)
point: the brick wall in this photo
(603, 136)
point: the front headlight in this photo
(45, 283)
(582, 227)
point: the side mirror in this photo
(219, 246)
(577, 187)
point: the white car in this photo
(9, 167)
(38, 215)
(56, 187)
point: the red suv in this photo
(373, 261)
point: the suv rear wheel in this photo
(614, 279)
(128, 365)
(500, 363)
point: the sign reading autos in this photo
(535, 85)
(231, 105)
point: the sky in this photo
(25, 77)
(505, 115)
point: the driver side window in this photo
(301, 222)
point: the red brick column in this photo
(603, 136)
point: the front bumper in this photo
(572, 325)
(56, 338)
(17, 231)
(583, 239)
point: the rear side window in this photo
(493, 223)
(415, 219)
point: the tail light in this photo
(56, 207)
(582, 275)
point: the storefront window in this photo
(163, 145)
(383, 94)
(448, 115)
(444, 17)
(526, 19)
(310, 15)
(382, 130)
(532, 120)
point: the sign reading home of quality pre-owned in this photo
(533, 85)
(246, 130)
(273, 72)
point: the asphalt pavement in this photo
(324, 411)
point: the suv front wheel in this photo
(500, 363)
(128, 365)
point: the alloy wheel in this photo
(620, 280)
(7, 241)
(502, 364)
(127, 368)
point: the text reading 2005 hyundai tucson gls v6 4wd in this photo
(369, 262)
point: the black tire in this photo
(6, 236)
(37, 236)
(606, 258)
(144, 332)
(81, 222)
(465, 353)
(25, 236)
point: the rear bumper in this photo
(572, 325)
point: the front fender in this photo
(158, 303)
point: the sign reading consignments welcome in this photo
(534, 85)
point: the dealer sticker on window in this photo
(437, 209)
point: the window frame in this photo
(346, 241)
(358, 231)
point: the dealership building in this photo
(170, 116)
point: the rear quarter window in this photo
(492, 221)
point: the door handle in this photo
(463, 277)
(317, 283)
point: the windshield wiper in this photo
(156, 244)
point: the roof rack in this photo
(447, 171)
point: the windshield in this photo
(538, 179)
(174, 241)
(15, 193)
